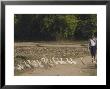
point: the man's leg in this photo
(95, 54)
(92, 54)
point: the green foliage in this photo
(86, 26)
(54, 26)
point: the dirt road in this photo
(78, 69)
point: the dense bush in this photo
(47, 27)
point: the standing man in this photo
(93, 48)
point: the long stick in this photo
(82, 60)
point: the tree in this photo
(87, 26)
(47, 27)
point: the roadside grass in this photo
(63, 42)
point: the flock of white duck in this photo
(46, 57)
